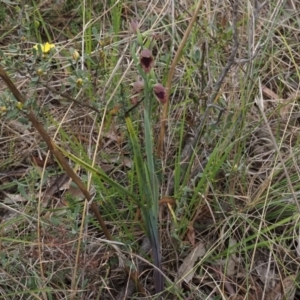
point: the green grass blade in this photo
(147, 181)
(99, 173)
(150, 164)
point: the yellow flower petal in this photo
(45, 47)
(48, 47)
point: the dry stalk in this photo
(170, 77)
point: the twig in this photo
(133, 107)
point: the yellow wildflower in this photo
(45, 47)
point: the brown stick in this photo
(58, 155)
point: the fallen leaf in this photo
(289, 287)
(287, 105)
(269, 93)
(62, 182)
(191, 234)
(232, 262)
(166, 200)
(186, 271)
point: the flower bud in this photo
(19, 105)
(39, 72)
(3, 109)
(37, 23)
(75, 55)
(138, 86)
(146, 60)
(134, 26)
(79, 82)
(160, 93)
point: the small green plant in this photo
(146, 173)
